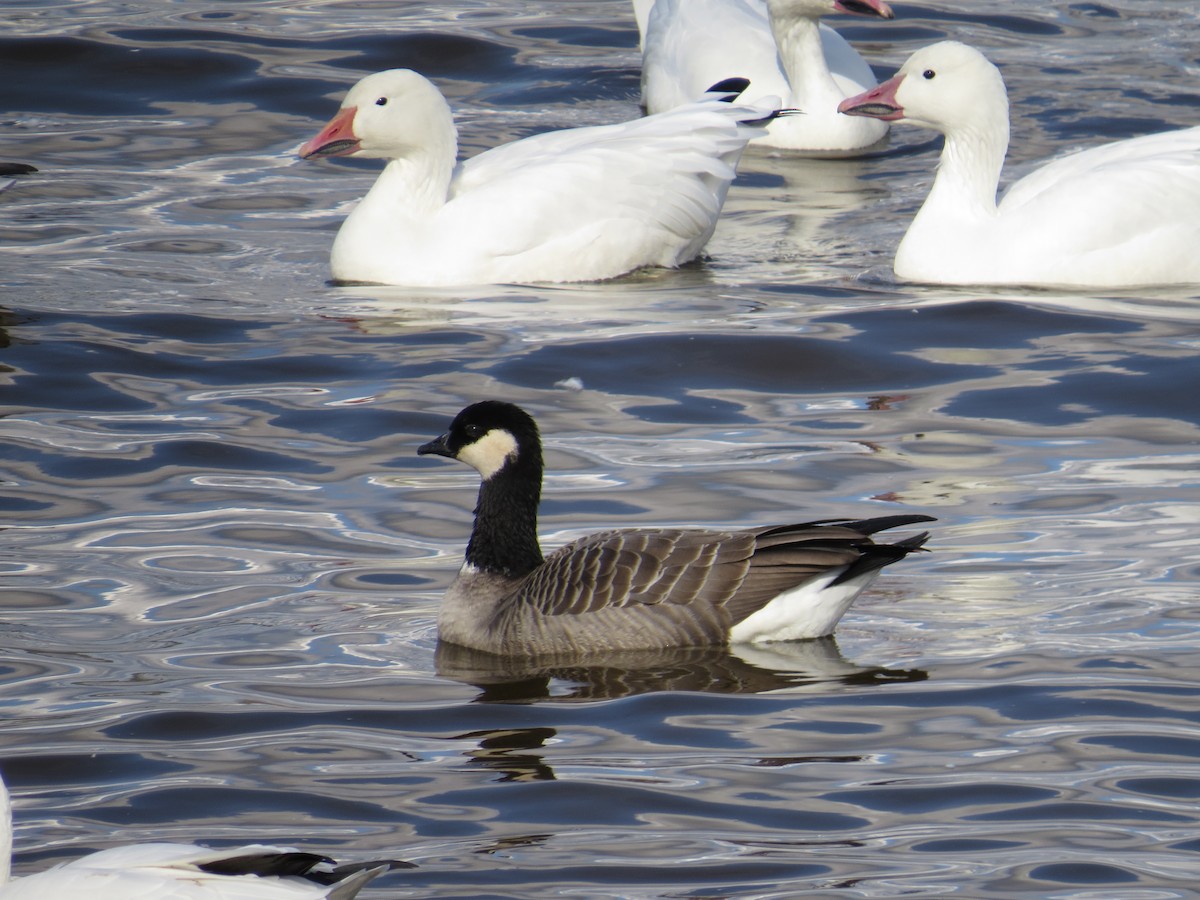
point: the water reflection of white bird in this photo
(784, 209)
(186, 872)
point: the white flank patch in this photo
(809, 610)
(489, 454)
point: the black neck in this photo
(504, 540)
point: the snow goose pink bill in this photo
(582, 204)
(1118, 215)
(785, 51)
(186, 872)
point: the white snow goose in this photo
(582, 204)
(783, 49)
(186, 872)
(636, 588)
(1119, 215)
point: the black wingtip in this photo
(731, 88)
(883, 523)
(297, 864)
(267, 864)
(14, 168)
(771, 117)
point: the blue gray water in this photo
(221, 558)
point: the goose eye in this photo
(928, 74)
(382, 101)
(474, 432)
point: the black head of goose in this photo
(637, 588)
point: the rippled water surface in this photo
(222, 559)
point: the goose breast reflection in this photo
(582, 204)
(637, 588)
(1122, 214)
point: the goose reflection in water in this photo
(517, 754)
(738, 669)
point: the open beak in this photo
(877, 103)
(335, 139)
(864, 8)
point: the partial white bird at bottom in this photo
(186, 872)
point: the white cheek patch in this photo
(489, 454)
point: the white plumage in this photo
(163, 871)
(780, 46)
(581, 204)
(1121, 214)
(812, 609)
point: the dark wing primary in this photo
(788, 555)
(644, 566)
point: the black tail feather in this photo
(872, 556)
(876, 556)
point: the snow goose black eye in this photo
(382, 101)
(929, 74)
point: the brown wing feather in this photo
(640, 567)
(739, 570)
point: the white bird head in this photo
(946, 87)
(387, 115)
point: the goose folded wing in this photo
(1167, 155)
(654, 179)
(643, 567)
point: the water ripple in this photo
(221, 558)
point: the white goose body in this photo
(780, 46)
(582, 204)
(1118, 215)
(162, 871)
(635, 589)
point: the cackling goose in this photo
(640, 588)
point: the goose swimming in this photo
(640, 588)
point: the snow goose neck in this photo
(1118, 215)
(583, 204)
(636, 589)
(187, 872)
(781, 47)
